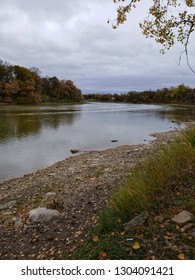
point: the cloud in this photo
(72, 40)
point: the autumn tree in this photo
(25, 86)
(167, 21)
(27, 90)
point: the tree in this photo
(168, 21)
(25, 86)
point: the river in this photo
(33, 137)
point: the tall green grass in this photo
(165, 181)
(155, 183)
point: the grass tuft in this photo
(163, 184)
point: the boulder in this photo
(182, 218)
(43, 214)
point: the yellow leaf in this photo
(122, 233)
(102, 254)
(119, 220)
(95, 238)
(181, 256)
(136, 245)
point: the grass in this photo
(162, 186)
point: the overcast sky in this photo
(72, 40)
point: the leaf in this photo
(102, 254)
(136, 246)
(181, 256)
(119, 220)
(95, 238)
(122, 233)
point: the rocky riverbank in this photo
(76, 188)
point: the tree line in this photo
(20, 85)
(179, 94)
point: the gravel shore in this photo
(81, 185)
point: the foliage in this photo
(167, 21)
(25, 86)
(180, 94)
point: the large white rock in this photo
(43, 214)
(183, 217)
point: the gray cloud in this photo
(71, 40)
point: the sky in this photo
(73, 41)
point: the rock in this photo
(43, 214)
(74, 151)
(7, 204)
(17, 223)
(52, 174)
(71, 169)
(137, 221)
(152, 135)
(183, 217)
(187, 227)
(51, 201)
(50, 195)
(107, 169)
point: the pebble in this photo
(74, 151)
(187, 227)
(51, 174)
(50, 195)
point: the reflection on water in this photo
(21, 121)
(33, 137)
(178, 114)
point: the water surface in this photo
(33, 137)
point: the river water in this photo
(33, 137)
